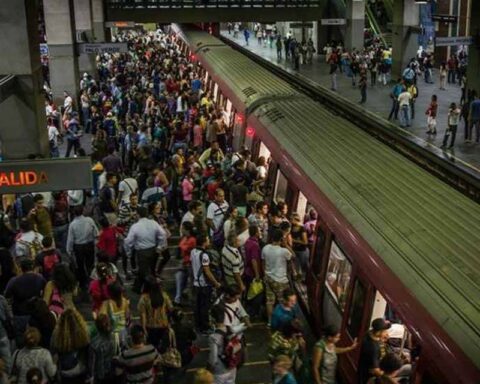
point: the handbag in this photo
(171, 358)
(255, 289)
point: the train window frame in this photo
(357, 310)
(320, 243)
(279, 175)
(341, 306)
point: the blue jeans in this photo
(181, 280)
(405, 116)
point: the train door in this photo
(271, 177)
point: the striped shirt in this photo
(232, 262)
(137, 364)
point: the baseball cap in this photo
(380, 324)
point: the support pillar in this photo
(406, 14)
(63, 63)
(22, 127)
(354, 36)
(98, 21)
(84, 25)
(473, 72)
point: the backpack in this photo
(232, 354)
(49, 262)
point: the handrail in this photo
(374, 25)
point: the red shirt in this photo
(211, 189)
(107, 241)
(99, 293)
(186, 245)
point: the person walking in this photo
(453, 118)
(362, 84)
(279, 47)
(333, 75)
(81, 236)
(412, 88)
(246, 35)
(443, 76)
(148, 239)
(404, 100)
(474, 118)
(397, 89)
(432, 116)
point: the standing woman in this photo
(154, 308)
(432, 116)
(324, 360)
(443, 76)
(300, 243)
(117, 307)
(59, 292)
(70, 341)
(187, 243)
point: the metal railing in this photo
(156, 4)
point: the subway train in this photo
(391, 240)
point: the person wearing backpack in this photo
(48, 257)
(225, 349)
(28, 242)
(60, 290)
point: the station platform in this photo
(378, 99)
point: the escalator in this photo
(383, 32)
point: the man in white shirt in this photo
(216, 214)
(194, 209)
(127, 187)
(53, 138)
(147, 238)
(404, 100)
(236, 317)
(276, 261)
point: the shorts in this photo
(274, 290)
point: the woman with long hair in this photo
(70, 341)
(59, 291)
(154, 308)
(98, 288)
(117, 307)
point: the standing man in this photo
(276, 261)
(362, 84)
(216, 216)
(203, 282)
(108, 204)
(404, 100)
(82, 233)
(39, 216)
(397, 89)
(148, 239)
(246, 34)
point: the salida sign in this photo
(45, 175)
(16, 179)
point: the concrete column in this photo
(473, 72)
(355, 24)
(84, 24)
(404, 41)
(63, 63)
(98, 21)
(22, 126)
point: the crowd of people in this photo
(163, 164)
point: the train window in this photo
(215, 92)
(338, 275)
(281, 185)
(356, 309)
(302, 203)
(264, 151)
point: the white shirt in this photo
(404, 98)
(276, 258)
(187, 217)
(67, 104)
(75, 197)
(145, 234)
(262, 172)
(199, 259)
(216, 213)
(127, 187)
(233, 313)
(52, 134)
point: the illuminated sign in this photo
(16, 179)
(45, 175)
(96, 48)
(119, 24)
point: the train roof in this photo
(252, 83)
(426, 232)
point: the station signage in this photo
(334, 21)
(301, 25)
(454, 40)
(445, 18)
(97, 48)
(45, 175)
(119, 24)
